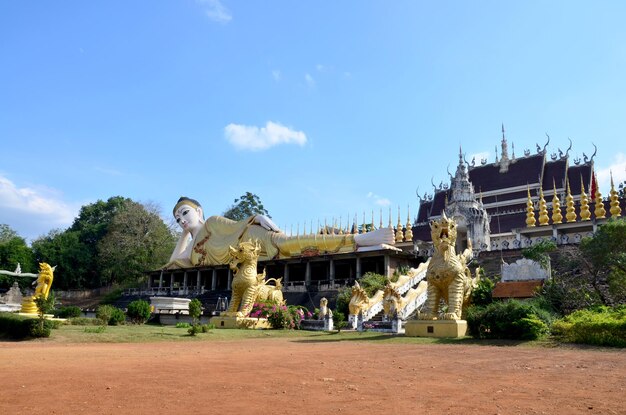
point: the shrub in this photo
(195, 310)
(18, 327)
(280, 316)
(68, 312)
(110, 315)
(600, 326)
(506, 320)
(138, 311)
(482, 295)
(182, 325)
(370, 282)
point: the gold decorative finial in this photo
(340, 228)
(372, 219)
(364, 230)
(399, 233)
(615, 209)
(380, 222)
(599, 211)
(530, 211)
(585, 213)
(408, 235)
(543, 209)
(571, 212)
(390, 225)
(557, 216)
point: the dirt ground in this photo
(300, 376)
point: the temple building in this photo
(516, 201)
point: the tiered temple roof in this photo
(504, 184)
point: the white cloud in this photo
(309, 80)
(215, 11)
(618, 168)
(276, 75)
(33, 212)
(381, 201)
(253, 138)
(322, 68)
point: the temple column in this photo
(358, 267)
(213, 279)
(161, 279)
(286, 273)
(307, 274)
(386, 266)
(172, 281)
(230, 279)
(185, 281)
(331, 271)
(198, 280)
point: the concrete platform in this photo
(228, 322)
(435, 328)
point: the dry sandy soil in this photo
(299, 376)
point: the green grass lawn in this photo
(156, 333)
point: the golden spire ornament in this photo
(615, 209)
(570, 214)
(585, 213)
(599, 211)
(543, 210)
(530, 211)
(399, 233)
(557, 217)
(408, 235)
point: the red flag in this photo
(594, 185)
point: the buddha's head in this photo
(188, 214)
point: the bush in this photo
(68, 312)
(18, 327)
(280, 316)
(138, 311)
(482, 295)
(182, 325)
(507, 320)
(195, 310)
(110, 315)
(600, 326)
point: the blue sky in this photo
(324, 109)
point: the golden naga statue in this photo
(447, 275)
(44, 283)
(359, 300)
(206, 242)
(392, 301)
(248, 286)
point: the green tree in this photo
(13, 251)
(73, 258)
(137, 240)
(605, 255)
(245, 206)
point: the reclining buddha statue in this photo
(206, 242)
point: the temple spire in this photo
(505, 149)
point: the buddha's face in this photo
(189, 218)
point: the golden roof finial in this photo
(530, 211)
(380, 222)
(615, 209)
(408, 235)
(571, 212)
(557, 216)
(372, 220)
(340, 228)
(599, 211)
(364, 227)
(390, 224)
(585, 214)
(399, 233)
(543, 209)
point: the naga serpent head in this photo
(443, 232)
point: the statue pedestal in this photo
(229, 322)
(435, 328)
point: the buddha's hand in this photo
(266, 223)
